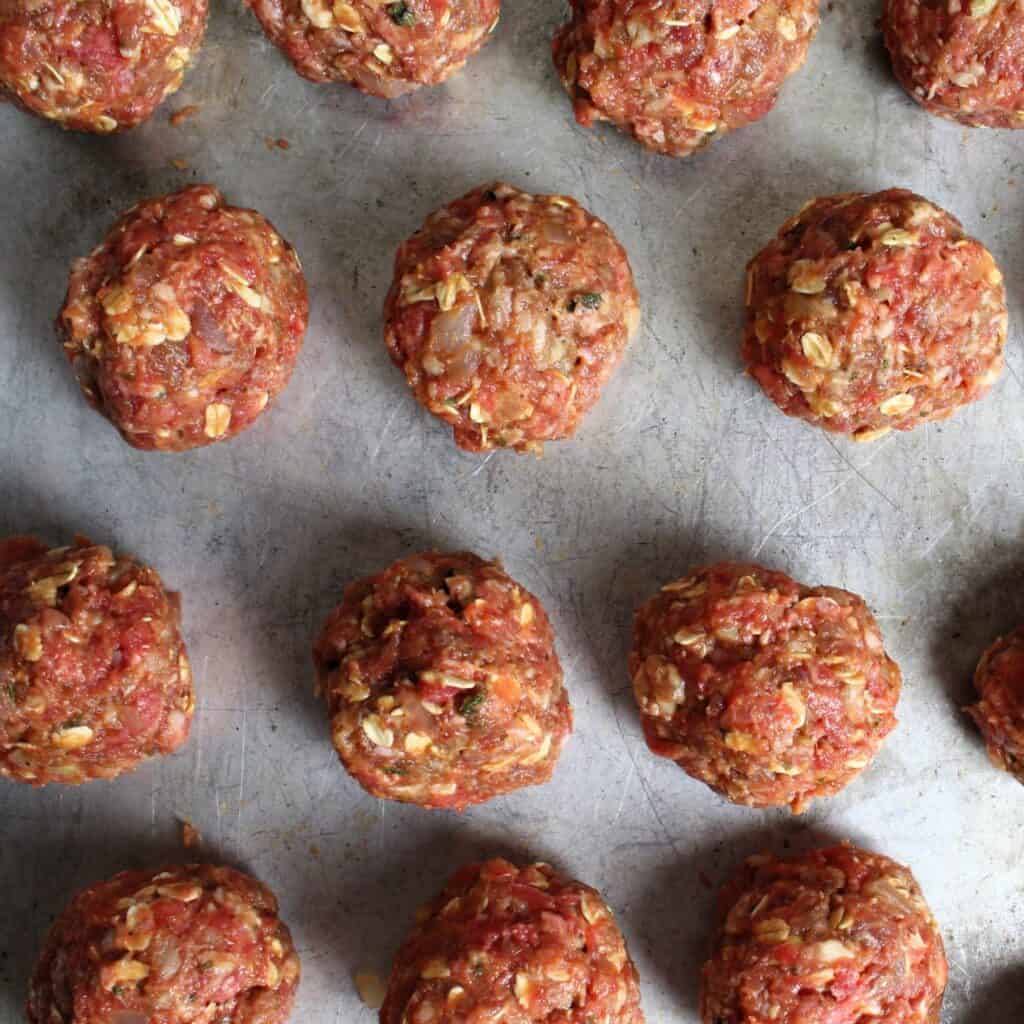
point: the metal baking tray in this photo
(682, 461)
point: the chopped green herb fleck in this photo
(588, 300)
(73, 722)
(394, 769)
(402, 14)
(12, 692)
(471, 704)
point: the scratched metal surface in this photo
(683, 461)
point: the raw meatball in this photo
(94, 671)
(381, 48)
(96, 65)
(837, 935)
(999, 714)
(186, 945)
(519, 945)
(508, 313)
(964, 61)
(871, 313)
(442, 682)
(677, 73)
(770, 692)
(186, 322)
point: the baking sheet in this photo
(684, 460)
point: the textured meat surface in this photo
(999, 714)
(442, 682)
(508, 313)
(382, 48)
(874, 312)
(96, 65)
(770, 692)
(519, 945)
(834, 936)
(675, 74)
(94, 671)
(186, 321)
(195, 944)
(961, 60)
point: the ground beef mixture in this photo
(442, 682)
(516, 945)
(677, 73)
(382, 48)
(999, 714)
(93, 669)
(186, 321)
(508, 313)
(961, 59)
(196, 944)
(770, 692)
(834, 936)
(96, 65)
(870, 313)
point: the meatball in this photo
(836, 935)
(519, 945)
(186, 321)
(96, 65)
(964, 61)
(384, 49)
(194, 944)
(999, 680)
(769, 692)
(870, 313)
(676, 75)
(442, 682)
(94, 671)
(508, 313)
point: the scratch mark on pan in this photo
(789, 516)
(885, 497)
(625, 792)
(381, 437)
(648, 796)
(199, 731)
(973, 511)
(270, 89)
(943, 533)
(796, 513)
(353, 139)
(241, 774)
(479, 469)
